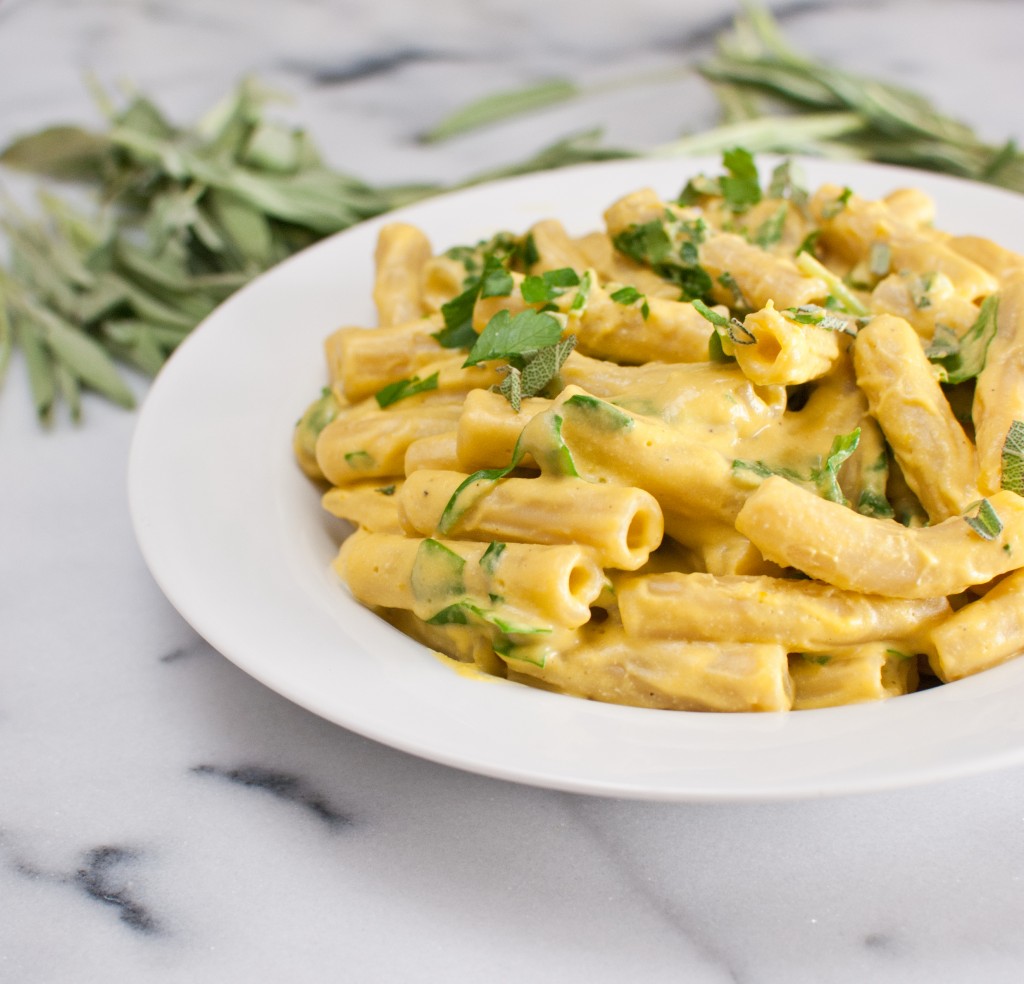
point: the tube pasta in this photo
(983, 633)
(874, 671)
(539, 586)
(374, 446)
(938, 460)
(622, 524)
(760, 276)
(402, 252)
(824, 540)
(783, 351)
(370, 505)
(607, 665)
(999, 395)
(800, 616)
(561, 470)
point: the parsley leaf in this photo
(545, 287)
(507, 336)
(669, 247)
(494, 280)
(630, 295)
(741, 187)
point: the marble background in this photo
(165, 818)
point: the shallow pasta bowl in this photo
(235, 537)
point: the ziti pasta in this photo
(749, 449)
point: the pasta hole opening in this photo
(639, 531)
(768, 350)
(584, 582)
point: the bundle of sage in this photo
(185, 216)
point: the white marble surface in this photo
(165, 818)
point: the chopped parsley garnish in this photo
(819, 659)
(728, 281)
(630, 295)
(532, 347)
(874, 504)
(741, 187)
(826, 477)
(458, 331)
(387, 489)
(669, 247)
(547, 286)
(454, 508)
(507, 336)
(402, 388)
(808, 243)
(607, 414)
(359, 460)
(465, 612)
(494, 280)
(437, 570)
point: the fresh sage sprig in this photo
(775, 99)
(185, 216)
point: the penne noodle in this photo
(982, 634)
(827, 541)
(623, 525)
(937, 458)
(874, 671)
(801, 616)
(402, 252)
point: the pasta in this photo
(749, 449)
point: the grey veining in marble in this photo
(166, 818)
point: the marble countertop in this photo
(165, 818)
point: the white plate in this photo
(234, 535)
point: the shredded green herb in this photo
(403, 388)
(630, 295)
(963, 358)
